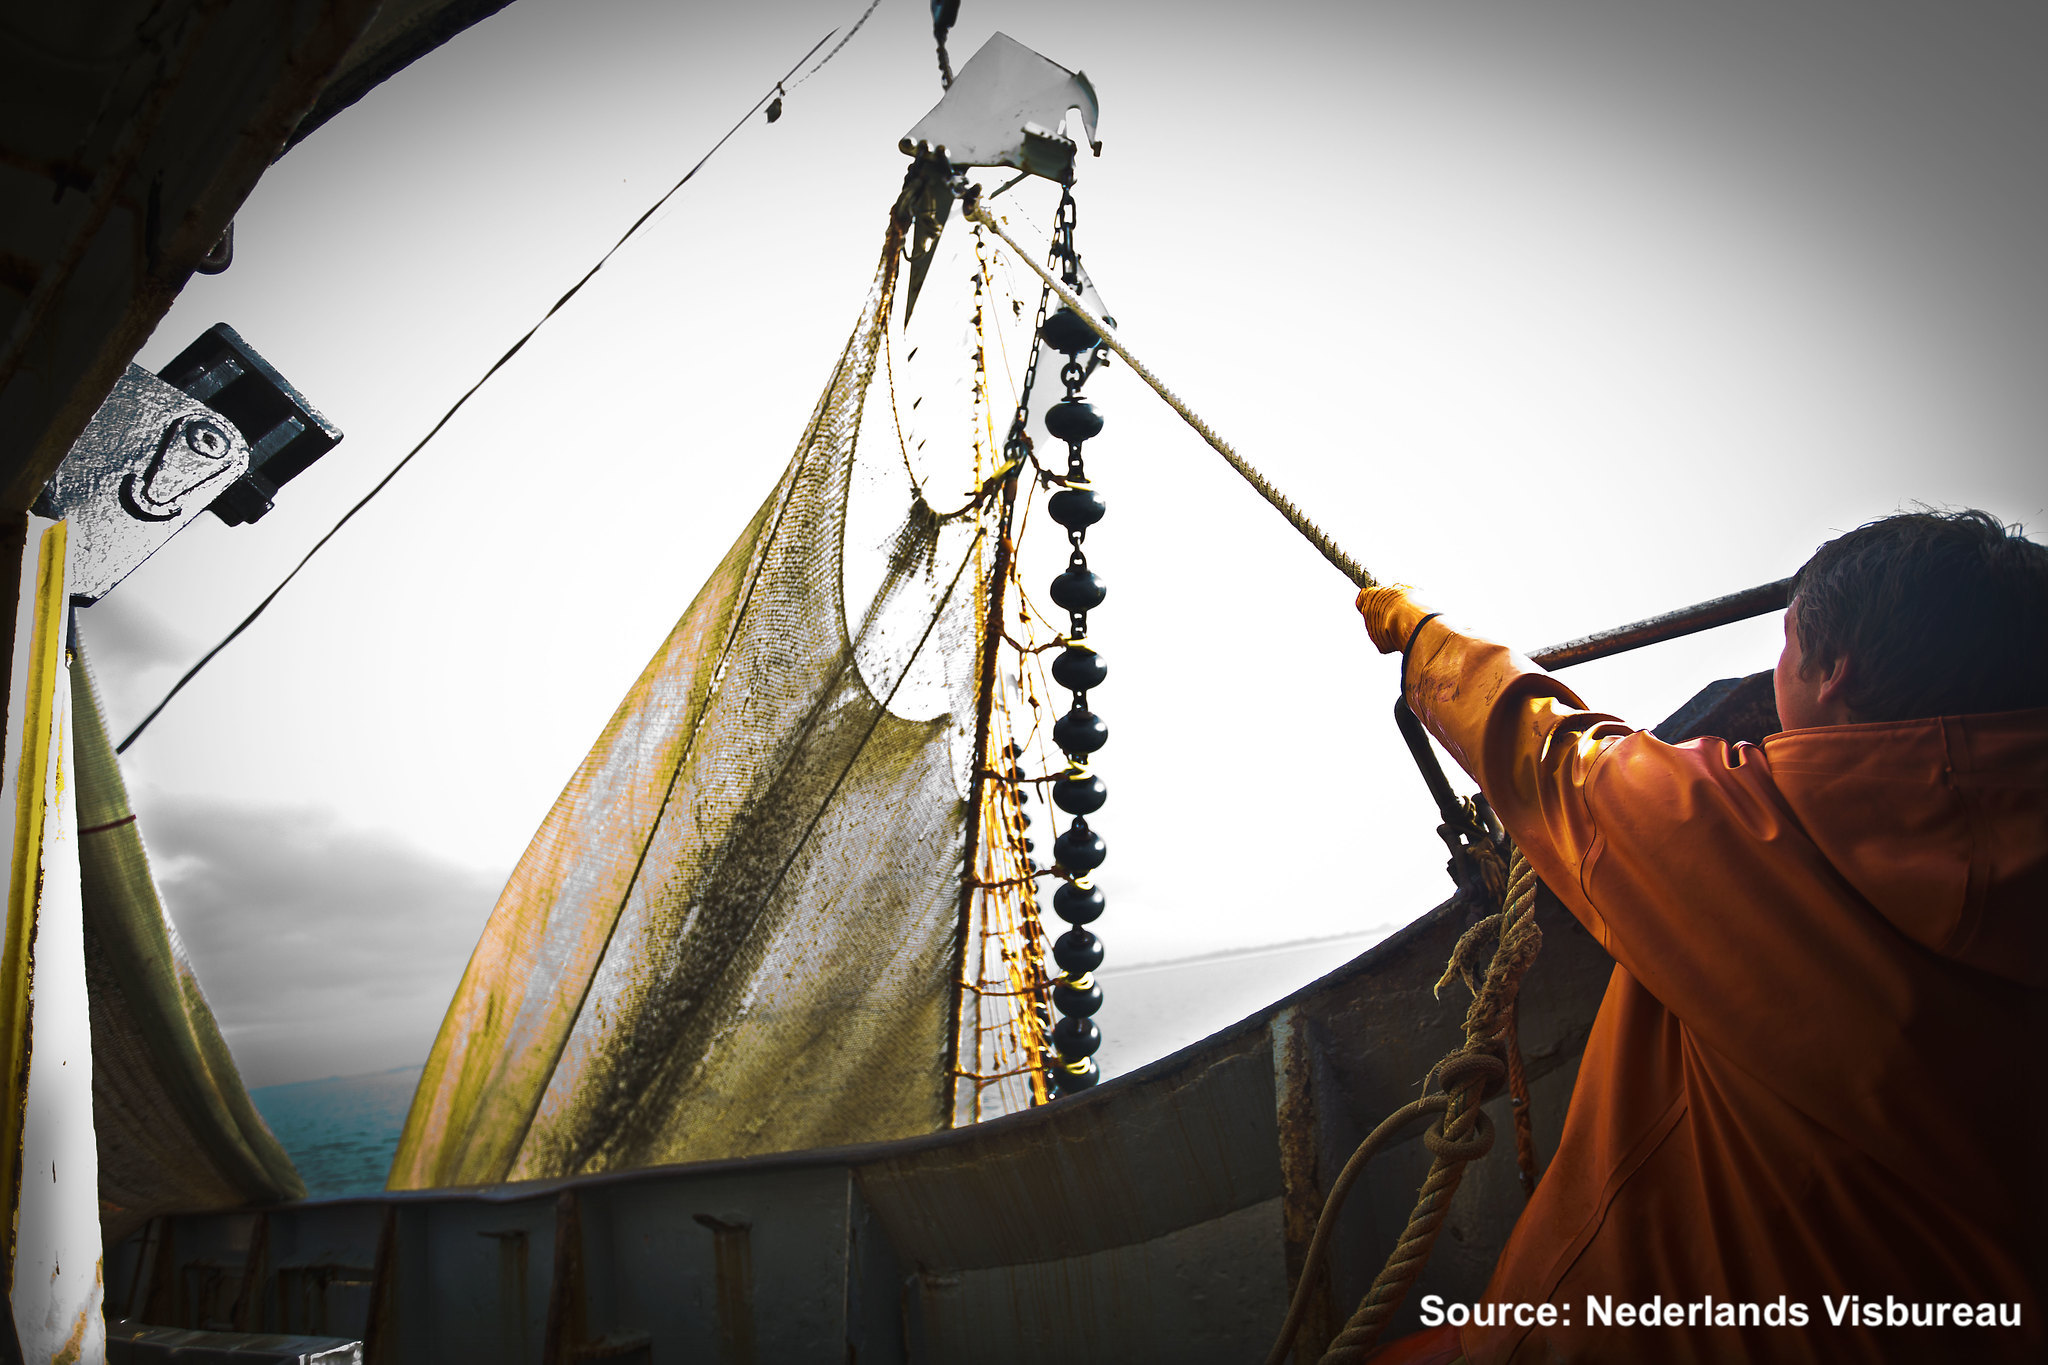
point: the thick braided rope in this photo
(1466, 1133)
(1326, 1224)
(1518, 1096)
(1296, 518)
(1520, 903)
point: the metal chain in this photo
(945, 13)
(1017, 445)
(1078, 733)
(978, 210)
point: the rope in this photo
(1464, 1134)
(1296, 518)
(1518, 1096)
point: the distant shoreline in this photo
(326, 1080)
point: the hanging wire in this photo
(945, 13)
(873, 5)
(775, 92)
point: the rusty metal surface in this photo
(1210, 1292)
(1718, 611)
(1114, 1167)
(747, 1270)
(131, 1344)
(323, 1269)
(1367, 1052)
(1301, 1177)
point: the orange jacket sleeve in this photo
(1524, 736)
(1696, 866)
(1800, 1080)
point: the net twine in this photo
(756, 842)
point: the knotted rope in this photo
(1296, 518)
(1465, 1132)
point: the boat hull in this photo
(1163, 1215)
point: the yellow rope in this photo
(1350, 567)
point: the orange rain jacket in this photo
(1816, 1072)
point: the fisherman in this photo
(1816, 1077)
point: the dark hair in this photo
(1940, 614)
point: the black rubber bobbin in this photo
(1078, 850)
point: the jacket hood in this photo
(1941, 824)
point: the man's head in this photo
(1920, 614)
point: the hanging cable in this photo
(775, 93)
(873, 5)
(945, 13)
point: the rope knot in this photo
(1474, 1062)
(1468, 1077)
(1476, 1142)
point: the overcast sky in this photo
(1568, 313)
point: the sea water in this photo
(343, 1131)
(340, 1132)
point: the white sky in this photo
(1567, 312)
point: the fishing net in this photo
(738, 930)
(175, 1128)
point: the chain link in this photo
(1017, 445)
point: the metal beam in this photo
(1719, 611)
(153, 124)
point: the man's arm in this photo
(1523, 735)
(1690, 868)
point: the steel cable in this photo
(773, 93)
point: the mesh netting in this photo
(738, 929)
(175, 1128)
